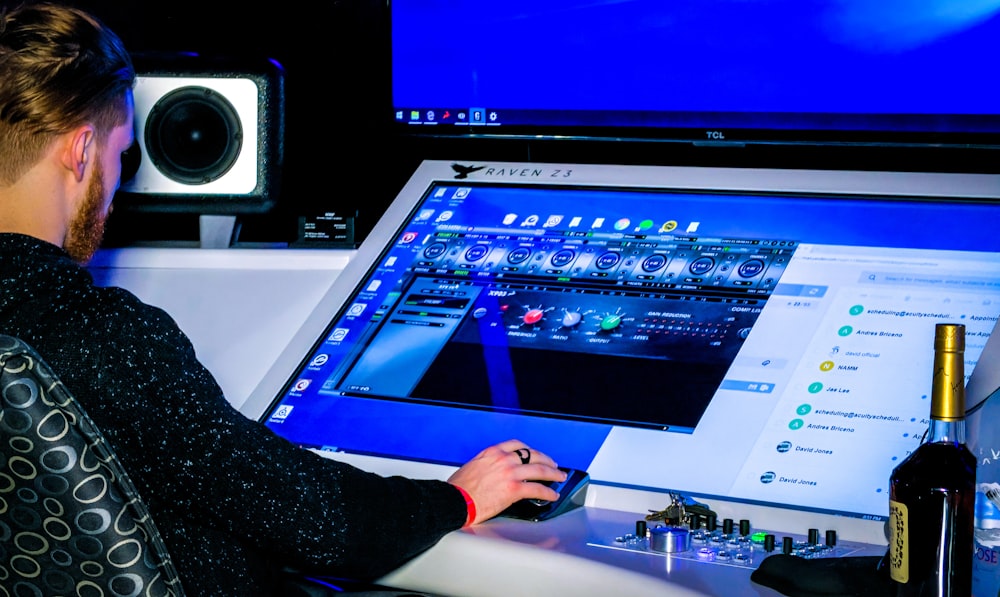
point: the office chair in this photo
(71, 522)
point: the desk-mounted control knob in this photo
(669, 539)
(787, 545)
(768, 543)
(711, 521)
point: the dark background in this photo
(335, 58)
(340, 154)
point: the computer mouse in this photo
(572, 494)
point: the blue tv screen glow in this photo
(851, 71)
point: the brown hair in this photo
(60, 67)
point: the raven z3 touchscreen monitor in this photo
(763, 336)
(859, 72)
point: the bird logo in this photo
(464, 171)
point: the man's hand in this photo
(503, 474)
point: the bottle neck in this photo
(946, 432)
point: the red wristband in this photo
(470, 506)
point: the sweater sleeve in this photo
(195, 456)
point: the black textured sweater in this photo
(233, 501)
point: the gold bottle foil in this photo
(948, 385)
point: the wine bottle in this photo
(932, 492)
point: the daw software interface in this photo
(780, 340)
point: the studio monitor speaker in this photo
(209, 136)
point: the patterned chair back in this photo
(71, 522)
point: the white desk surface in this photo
(239, 307)
(577, 553)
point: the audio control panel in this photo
(731, 543)
(634, 296)
(747, 266)
(489, 318)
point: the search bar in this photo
(951, 282)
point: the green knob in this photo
(611, 322)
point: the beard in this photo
(86, 229)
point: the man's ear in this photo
(79, 150)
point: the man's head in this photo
(65, 78)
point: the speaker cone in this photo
(193, 135)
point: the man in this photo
(234, 502)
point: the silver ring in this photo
(524, 454)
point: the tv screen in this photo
(729, 71)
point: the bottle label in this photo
(899, 556)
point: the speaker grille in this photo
(193, 135)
